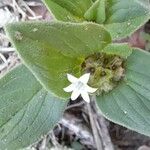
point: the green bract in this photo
(120, 17)
(122, 50)
(27, 110)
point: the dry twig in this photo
(99, 124)
(98, 140)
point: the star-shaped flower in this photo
(79, 87)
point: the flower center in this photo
(79, 85)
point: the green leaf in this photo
(122, 50)
(51, 50)
(129, 103)
(96, 12)
(69, 10)
(123, 17)
(91, 13)
(101, 12)
(27, 110)
(124, 29)
(120, 17)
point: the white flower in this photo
(79, 87)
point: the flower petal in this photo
(75, 94)
(90, 89)
(85, 96)
(69, 88)
(71, 78)
(85, 78)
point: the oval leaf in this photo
(51, 50)
(27, 111)
(129, 103)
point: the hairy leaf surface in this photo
(27, 111)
